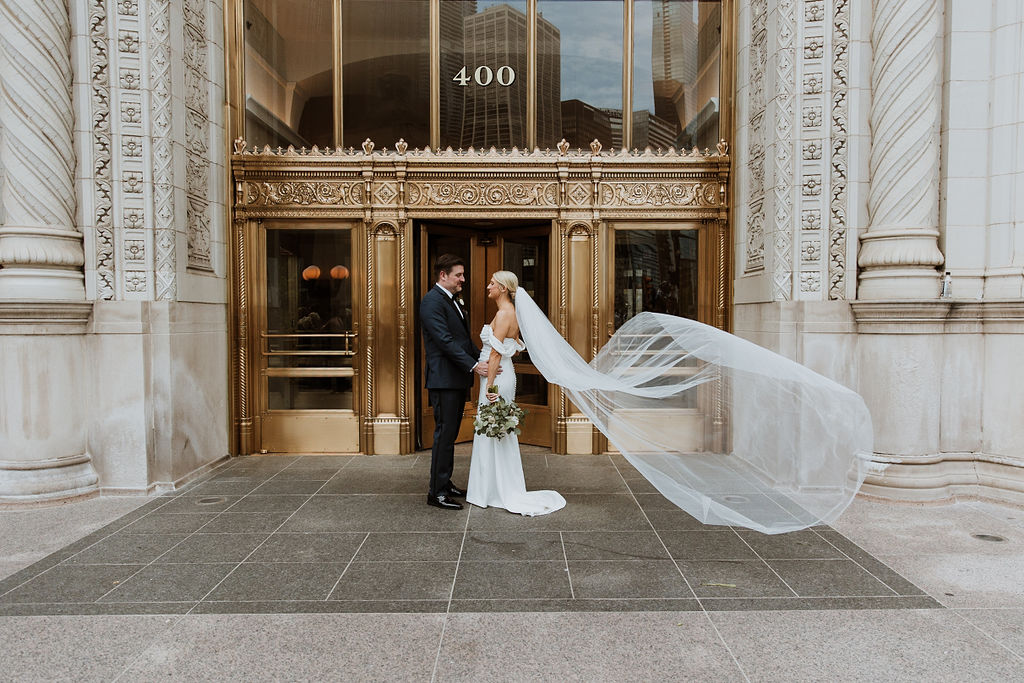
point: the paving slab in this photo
(867, 645)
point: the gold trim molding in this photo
(565, 184)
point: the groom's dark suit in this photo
(450, 358)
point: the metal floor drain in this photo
(988, 537)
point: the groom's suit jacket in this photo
(450, 353)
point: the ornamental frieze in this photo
(659, 194)
(302, 193)
(474, 181)
(484, 194)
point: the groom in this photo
(451, 360)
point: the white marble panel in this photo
(964, 98)
(966, 153)
(965, 201)
(969, 55)
(900, 378)
(962, 386)
(964, 248)
(1003, 399)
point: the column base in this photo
(900, 283)
(54, 480)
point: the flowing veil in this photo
(730, 432)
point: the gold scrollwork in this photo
(484, 194)
(659, 194)
(302, 193)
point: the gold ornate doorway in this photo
(592, 217)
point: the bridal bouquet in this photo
(498, 419)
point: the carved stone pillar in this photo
(41, 253)
(44, 393)
(899, 252)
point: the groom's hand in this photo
(481, 369)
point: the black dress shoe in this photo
(444, 502)
(454, 490)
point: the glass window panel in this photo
(309, 393)
(289, 73)
(309, 298)
(385, 47)
(579, 69)
(483, 73)
(676, 67)
(655, 270)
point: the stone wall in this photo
(911, 196)
(137, 354)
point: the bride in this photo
(732, 433)
(496, 469)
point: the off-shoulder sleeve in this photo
(505, 348)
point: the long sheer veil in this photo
(730, 432)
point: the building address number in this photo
(484, 75)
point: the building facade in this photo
(218, 217)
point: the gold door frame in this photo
(577, 191)
(580, 193)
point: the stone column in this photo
(41, 254)
(44, 316)
(899, 252)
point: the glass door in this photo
(307, 341)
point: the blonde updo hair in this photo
(508, 280)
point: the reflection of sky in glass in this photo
(591, 46)
(643, 74)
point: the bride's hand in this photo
(492, 397)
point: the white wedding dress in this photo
(496, 468)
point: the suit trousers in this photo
(448, 405)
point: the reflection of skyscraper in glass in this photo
(582, 123)
(495, 115)
(685, 45)
(453, 58)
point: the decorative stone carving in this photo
(162, 152)
(899, 252)
(756, 159)
(659, 194)
(495, 194)
(41, 252)
(839, 132)
(810, 281)
(197, 135)
(785, 171)
(303, 194)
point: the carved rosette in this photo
(899, 252)
(41, 254)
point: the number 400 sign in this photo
(483, 75)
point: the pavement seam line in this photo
(765, 562)
(458, 563)
(187, 536)
(343, 571)
(568, 574)
(643, 512)
(872, 574)
(988, 635)
(233, 569)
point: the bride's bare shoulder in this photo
(504, 321)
